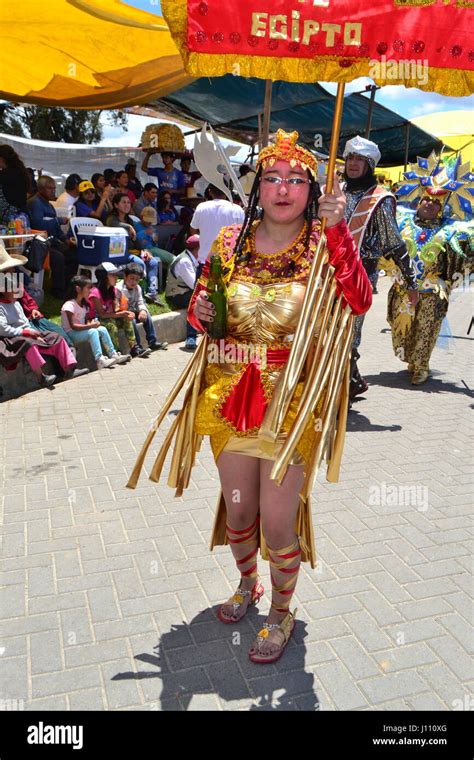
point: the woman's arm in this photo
(114, 221)
(97, 214)
(75, 325)
(101, 312)
(132, 233)
(6, 330)
(349, 271)
(200, 287)
(199, 300)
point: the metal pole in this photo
(369, 113)
(267, 110)
(407, 143)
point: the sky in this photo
(152, 6)
(408, 102)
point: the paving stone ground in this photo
(109, 595)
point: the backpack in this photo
(36, 251)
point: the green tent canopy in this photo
(232, 105)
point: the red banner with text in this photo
(422, 43)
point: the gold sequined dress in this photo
(264, 305)
(231, 383)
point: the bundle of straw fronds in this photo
(163, 138)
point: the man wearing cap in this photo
(181, 281)
(147, 236)
(371, 216)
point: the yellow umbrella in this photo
(85, 54)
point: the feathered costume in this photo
(441, 250)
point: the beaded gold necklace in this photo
(293, 250)
(278, 266)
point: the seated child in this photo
(37, 319)
(79, 329)
(147, 237)
(132, 299)
(104, 303)
(18, 339)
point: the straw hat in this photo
(7, 261)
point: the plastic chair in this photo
(88, 270)
(84, 224)
(64, 212)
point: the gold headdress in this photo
(285, 148)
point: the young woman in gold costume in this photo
(266, 263)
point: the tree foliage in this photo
(57, 124)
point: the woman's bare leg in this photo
(278, 509)
(240, 480)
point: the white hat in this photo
(367, 149)
(108, 267)
(7, 261)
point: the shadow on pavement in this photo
(441, 335)
(358, 423)
(205, 657)
(402, 380)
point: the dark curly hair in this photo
(13, 161)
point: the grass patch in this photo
(51, 306)
(154, 309)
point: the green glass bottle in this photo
(217, 293)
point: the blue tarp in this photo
(232, 105)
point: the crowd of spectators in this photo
(169, 229)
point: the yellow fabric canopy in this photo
(454, 128)
(85, 54)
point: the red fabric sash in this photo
(246, 405)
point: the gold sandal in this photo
(238, 599)
(285, 627)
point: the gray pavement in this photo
(109, 595)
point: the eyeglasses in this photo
(290, 180)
